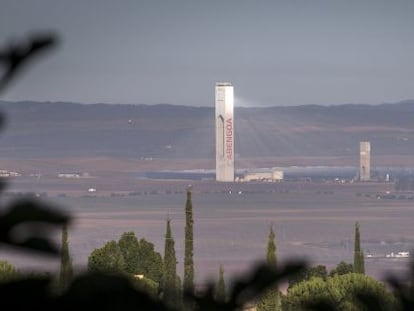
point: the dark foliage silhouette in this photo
(26, 224)
(246, 290)
(403, 290)
(17, 55)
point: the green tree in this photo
(107, 259)
(308, 273)
(188, 282)
(271, 298)
(150, 261)
(359, 264)
(342, 268)
(146, 285)
(178, 286)
(129, 246)
(302, 292)
(318, 271)
(170, 270)
(339, 291)
(66, 269)
(271, 249)
(8, 272)
(221, 294)
(140, 257)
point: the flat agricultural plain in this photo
(312, 220)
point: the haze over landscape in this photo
(114, 143)
(117, 127)
(171, 132)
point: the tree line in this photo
(149, 272)
(157, 275)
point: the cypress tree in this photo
(359, 265)
(188, 282)
(270, 301)
(362, 261)
(170, 269)
(66, 269)
(221, 287)
(271, 249)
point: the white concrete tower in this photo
(364, 161)
(224, 132)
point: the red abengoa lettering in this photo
(229, 138)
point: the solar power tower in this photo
(224, 132)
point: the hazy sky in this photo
(173, 51)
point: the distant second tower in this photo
(364, 161)
(224, 108)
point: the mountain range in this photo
(57, 129)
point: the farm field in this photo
(314, 221)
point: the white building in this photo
(270, 176)
(224, 132)
(6, 173)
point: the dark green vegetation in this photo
(318, 271)
(221, 292)
(270, 300)
(129, 256)
(341, 269)
(189, 245)
(339, 292)
(171, 283)
(66, 269)
(359, 265)
(8, 272)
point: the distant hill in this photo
(34, 129)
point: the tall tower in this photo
(364, 161)
(224, 132)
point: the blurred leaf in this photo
(403, 289)
(370, 301)
(16, 56)
(263, 278)
(246, 290)
(2, 181)
(38, 244)
(26, 294)
(321, 305)
(98, 291)
(21, 216)
(32, 210)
